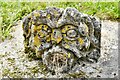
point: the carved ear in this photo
(26, 25)
(83, 29)
(87, 20)
(97, 29)
(93, 56)
(94, 28)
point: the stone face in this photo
(60, 37)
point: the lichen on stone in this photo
(52, 33)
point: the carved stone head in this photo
(62, 36)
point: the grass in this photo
(11, 12)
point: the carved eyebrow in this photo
(63, 26)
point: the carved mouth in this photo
(56, 58)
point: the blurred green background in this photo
(11, 12)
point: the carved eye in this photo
(42, 30)
(71, 33)
(42, 34)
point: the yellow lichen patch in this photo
(22, 26)
(69, 55)
(29, 24)
(36, 41)
(45, 27)
(69, 41)
(56, 36)
(67, 46)
(59, 39)
(39, 54)
(41, 34)
(64, 35)
(36, 14)
(64, 55)
(41, 30)
(48, 16)
(35, 28)
(48, 39)
(66, 28)
(63, 30)
(66, 40)
(52, 35)
(56, 39)
(39, 27)
(81, 41)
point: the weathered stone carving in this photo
(61, 37)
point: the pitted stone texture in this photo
(75, 33)
(14, 62)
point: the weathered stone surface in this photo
(61, 37)
(14, 63)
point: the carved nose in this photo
(56, 36)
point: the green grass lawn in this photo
(11, 12)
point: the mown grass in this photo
(11, 12)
